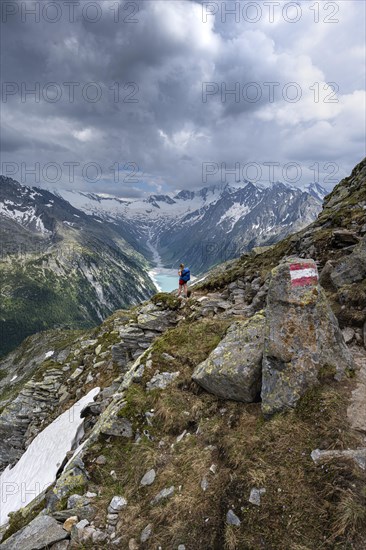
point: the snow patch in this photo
(37, 468)
(26, 217)
(234, 214)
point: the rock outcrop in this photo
(40, 533)
(303, 340)
(352, 268)
(21, 419)
(297, 335)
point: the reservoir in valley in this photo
(164, 278)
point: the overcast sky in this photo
(135, 94)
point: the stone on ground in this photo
(148, 478)
(303, 340)
(161, 380)
(39, 533)
(356, 411)
(73, 520)
(357, 455)
(255, 496)
(164, 493)
(232, 518)
(117, 504)
(146, 533)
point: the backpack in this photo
(185, 275)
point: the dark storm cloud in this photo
(164, 86)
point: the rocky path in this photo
(356, 411)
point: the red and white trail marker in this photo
(303, 274)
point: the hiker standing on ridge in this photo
(184, 277)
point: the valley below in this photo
(234, 419)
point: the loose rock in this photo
(164, 493)
(348, 334)
(255, 496)
(117, 504)
(73, 520)
(148, 478)
(357, 455)
(146, 533)
(232, 518)
(161, 380)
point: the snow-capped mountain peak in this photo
(316, 190)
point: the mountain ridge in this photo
(59, 266)
(173, 222)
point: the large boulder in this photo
(233, 369)
(39, 533)
(352, 268)
(303, 341)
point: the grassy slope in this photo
(305, 506)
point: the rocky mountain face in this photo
(212, 225)
(234, 419)
(239, 221)
(59, 266)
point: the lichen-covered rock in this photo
(82, 512)
(74, 477)
(352, 268)
(302, 340)
(152, 318)
(39, 533)
(161, 380)
(233, 369)
(119, 427)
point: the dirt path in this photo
(356, 411)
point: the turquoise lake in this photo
(165, 279)
(167, 283)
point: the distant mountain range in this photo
(70, 258)
(208, 226)
(60, 266)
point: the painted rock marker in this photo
(304, 274)
(302, 339)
